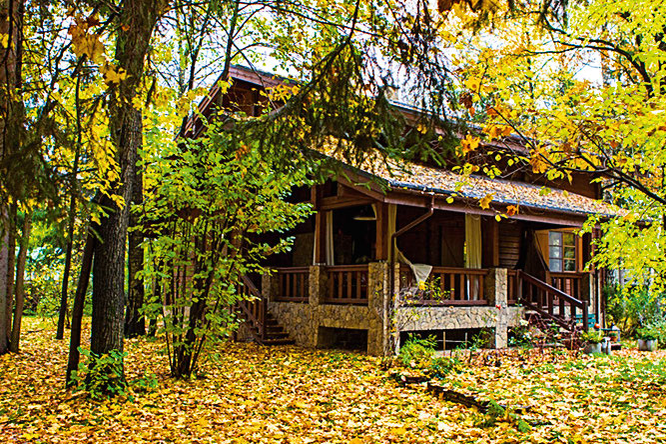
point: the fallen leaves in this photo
(254, 394)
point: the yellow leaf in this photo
(356, 441)
(484, 202)
(112, 74)
(469, 143)
(473, 83)
(512, 210)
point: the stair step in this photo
(283, 341)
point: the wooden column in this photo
(320, 226)
(382, 238)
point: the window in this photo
(562, 251)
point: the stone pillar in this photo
(317, 280)
(316, 284)
(378, 280)
(496, 291)
(269, 286)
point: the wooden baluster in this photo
(561, 307)
(341, 281)
(550, 303)
(442, 285)
(349, 276)
(358, 285)
(586, 325)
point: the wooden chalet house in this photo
(351, 277)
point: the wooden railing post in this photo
(586, 321)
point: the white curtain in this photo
(421, 271)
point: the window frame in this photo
(562, 248)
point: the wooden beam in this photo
(382, 238)
(335, 202)
(493, 238)
(320, 238)
(315, 196)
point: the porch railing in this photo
(446, 286)
(292, 284)
(551, 302)
(347, 284)
(569, 283)
(253, 308)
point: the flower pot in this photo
(592, 348)
(647, 344)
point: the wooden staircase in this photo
(262, 325)
(552, 304)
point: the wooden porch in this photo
(355, 261)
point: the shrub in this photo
(101, 376)
(633, 307)
(417, 352)
(440, 367)
(649, 333)
(520, 336)
(592, 336)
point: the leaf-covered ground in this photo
(290, 395)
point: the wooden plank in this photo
(319, 240)
(336, 202)
(494, 240)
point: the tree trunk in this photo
(11, 265)
(135, 323)
(77, 309)
(11, 127)
(4, 259)
(137, 19)
(20, 278)
(62, 312)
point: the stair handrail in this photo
(243, 304)
(574, 302)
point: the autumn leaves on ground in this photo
(251, 393)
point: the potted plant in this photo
(647, 338)
(592, 340)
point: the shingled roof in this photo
(411, 176)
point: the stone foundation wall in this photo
(302, 320)
(297, 319)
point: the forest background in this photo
(94, 95)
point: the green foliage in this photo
(211, 199)
(520, 336)
(483, 339)
(440, 367)
(592, 336)
(101, 376)
(417, 352)
(632, 307)
(146, 383)
(650, 332)
(496, 413)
